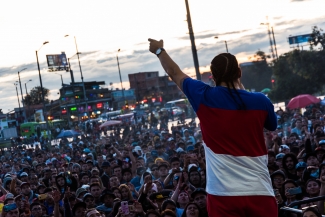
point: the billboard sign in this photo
(299, 39)
(57, 60)
(118, 94)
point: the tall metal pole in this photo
(82, 79)
(73, 91)
(17, 97)
(21, 92)
(226, 46)
(26, 96)
(194, 51)
(276, 51)
(43, 97)
(119, 71)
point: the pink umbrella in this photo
(301, 101)
(110, 123)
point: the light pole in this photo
(26, 96)
(216, 37)
(17, 97)
(192, 38)
(82, 78)
(21, 92)
(119, 71)
(271, 43)
(43, 95)
(61, 78)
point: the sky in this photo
(102, 27)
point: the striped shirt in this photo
(236, 154)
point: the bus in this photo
(182, 103)
(39, 128)
(110, 115)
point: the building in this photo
(123, 99)
(154, 89)
(73, 102)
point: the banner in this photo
(57, 60)
(299, 39)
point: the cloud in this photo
(211, 35)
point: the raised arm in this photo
(171, 68)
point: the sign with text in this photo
(299, 39)
(57, 60)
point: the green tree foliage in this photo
(35, 96)
(317, 37)
(298, 72)
(257, 74)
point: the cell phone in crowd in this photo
(42, 196)
(125, 207)
(295, 191)
(9, 207)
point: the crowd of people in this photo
(152, 171)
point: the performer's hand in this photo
(154, 45)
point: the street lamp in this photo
(82, 78)
(61, 78)
(26, 97)
(119, 71)
(21, 92)
(43, 95)
(271, 44)
(216, 37)
(17, 97)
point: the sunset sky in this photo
(102, 27)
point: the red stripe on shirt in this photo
(233, 132)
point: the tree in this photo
(298, 72)
(317, 37)
(35, 96)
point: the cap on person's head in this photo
(171, 139)
(87, 195)
(179, 150)
(79, 191)
(283, 147)
(9, 196)
(301, 165)
(158, 145)
(24, 183)
(278, 172)
(321, 142)
(279, 156)
(186, 130)
(23, 174)
(137, 148)
(190, 148)
(198, 191)
(78, 205)
(192, 167)
(89, 162)
(86, 150)
(105, 164)
(106, 192)
(319, 149)
(134, 144)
